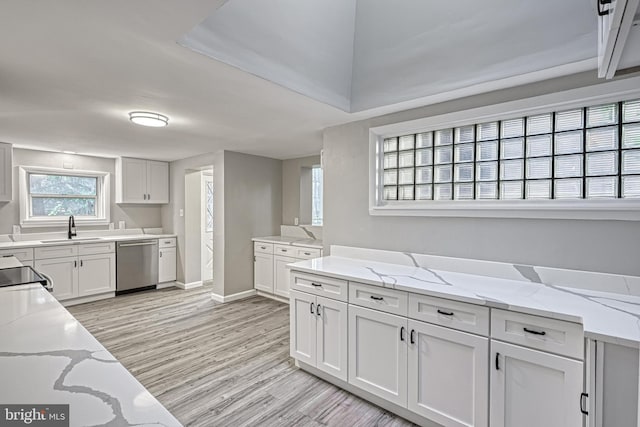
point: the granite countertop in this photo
(292, 241)
(78, 240)
(608, 317)
(48, 357)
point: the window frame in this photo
(314, 220)
(614, 209)
(103, 198)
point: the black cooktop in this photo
(15, 276)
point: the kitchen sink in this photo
(81, 239)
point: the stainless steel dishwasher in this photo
(137, 265)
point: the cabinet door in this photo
(6, 172)
(530, 388)
(133, 180)
(157, 182)
(281, 282)
(96, 274)
(448, 375)
(378, 353)
(302, 323)
(263, 272)
(331, 336)
(167, 265)
(63, 273)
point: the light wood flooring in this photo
(214, 364)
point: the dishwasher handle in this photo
(126, 245)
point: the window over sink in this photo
(49, 196)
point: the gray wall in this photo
(607, 246)
(134, 216)
(291, 169)
(247, 203)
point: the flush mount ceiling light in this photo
(147, 118)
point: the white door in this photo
(302, 323)
(63, 273)
(448, 375)
(206, 249)
(530, 388)
(96, 274)
(282, 273)
(167, 265)
(6, 174)
(134, 180)
(263, 272)
(332, 337)
(157, 182)
(378, 353)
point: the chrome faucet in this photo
(72, 227)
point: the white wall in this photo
(134, 216)
(607, 246)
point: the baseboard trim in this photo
(167, 285)
(233, 297)
(378, 401)
(190, 285)
(273, 297)
(91, 298)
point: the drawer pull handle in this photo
(531, 331)
(583, 396)
(402, 333)
(7, 256)
(263, 247)
(497, 361)
(312, 308)
(445, 313)
(317, 285)
(412, 338)
(318, 309)
(283, 250)
(307, 253)
(375, 298)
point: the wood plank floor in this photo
(216, 364)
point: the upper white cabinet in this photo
(6, 173)
(618, 36)
(142, 181)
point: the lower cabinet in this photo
(263, 272)
(378, 353)
(281, 275)
(448, 376)
(319, 333)
(531, 388)
(79, 276)
(166, 265)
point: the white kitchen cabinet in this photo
(77, 276)
(281, 275)
(319, 333)
(6, 172)
(96, 274)
(142, 181)
(448, 378)
(167, 265)
(378, 353)
(263, 272)
(531, 388)
(62, 274)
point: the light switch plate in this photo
(181, 212)
(121, 225)
(16, 229)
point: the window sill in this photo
(64, 222)
(622, 210)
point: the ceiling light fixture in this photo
(147, 118)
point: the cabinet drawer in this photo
(378, 298)
(319, 285)
(307, 253)
(285, 250)
(22, 254)
(97, 248)
(56, 251)
(167, 242)
(554, 336)
(265, 248)
(452, 314)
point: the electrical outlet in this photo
(16, 229)
(181, 212)
(111, 226)
(121, 225)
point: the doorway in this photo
(199, 223)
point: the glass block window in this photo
(582, 153)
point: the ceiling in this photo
(71, 70)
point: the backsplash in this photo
(302, 231)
